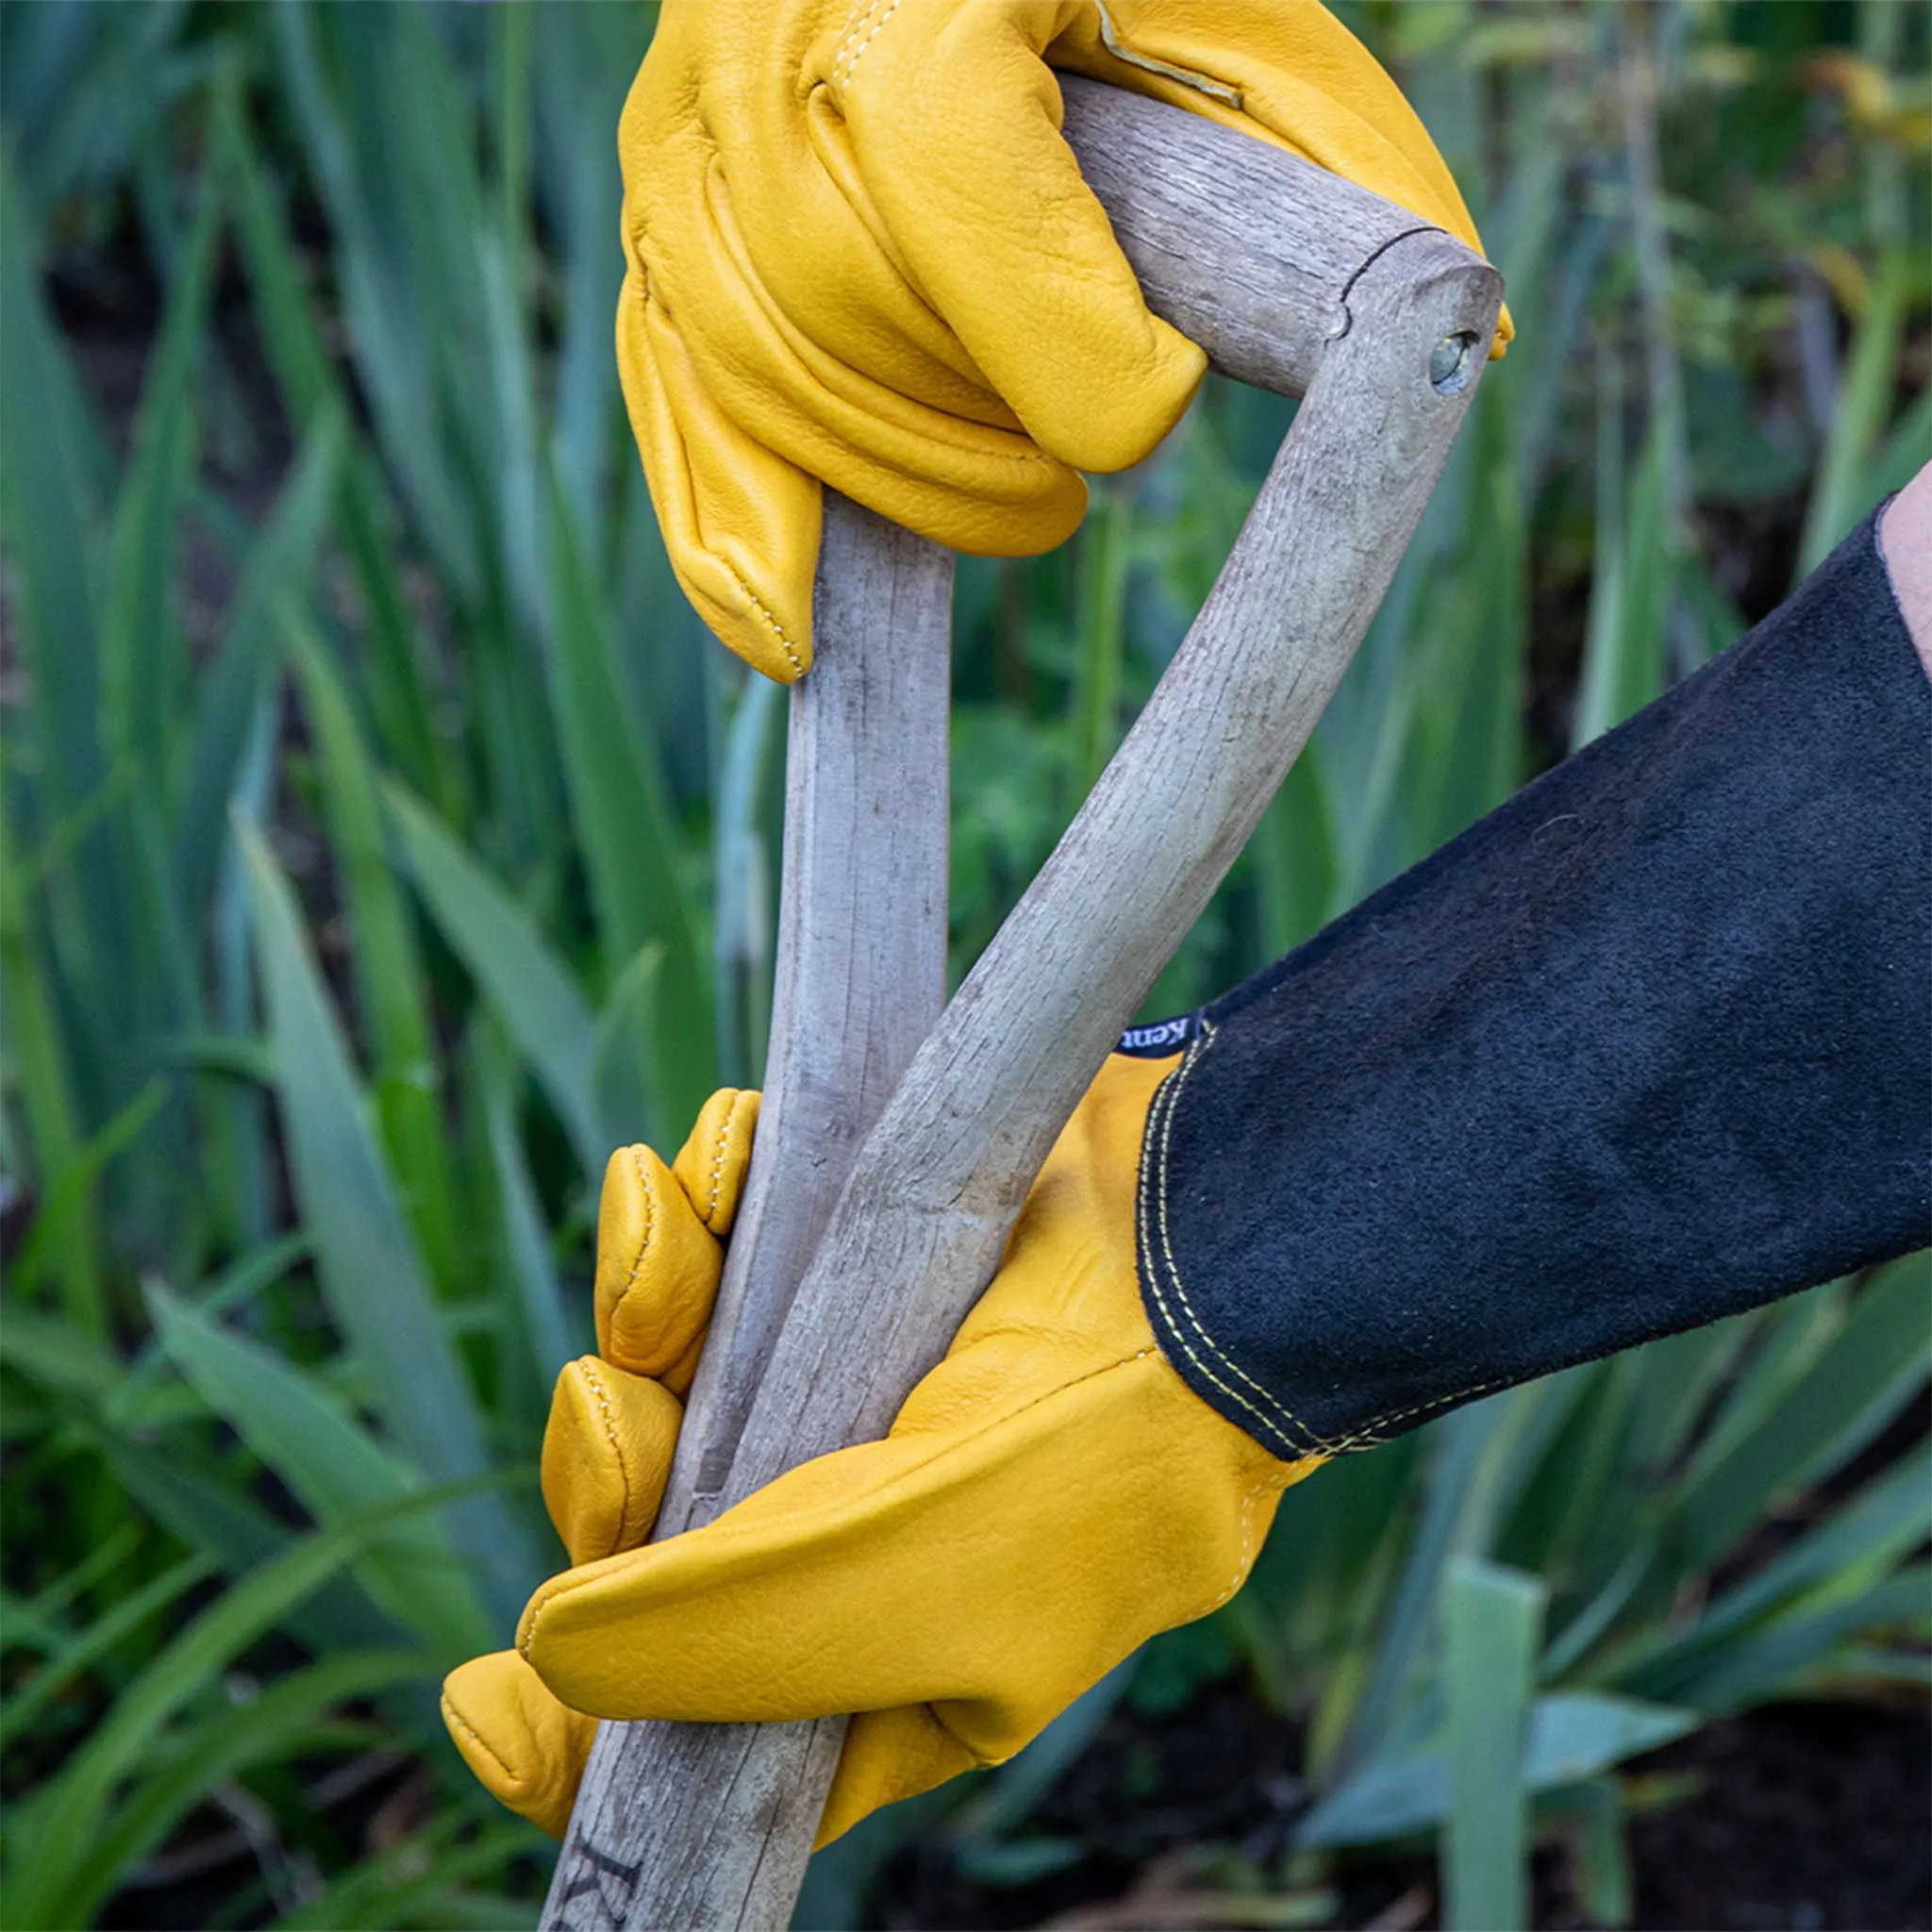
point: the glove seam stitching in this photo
(456, 1717)
(777, 630)
(1364, 1435)
(855, 20)
(1244, 1561)
(857, 52)
(1154, 1168)
(636, 1161)
(718, 1158)
(597, 1389)
(1160, 1121)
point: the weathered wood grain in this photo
(701, 1825)
(859, 977)
(860, 970)
(1246, 249)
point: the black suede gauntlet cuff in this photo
(1649, 1045)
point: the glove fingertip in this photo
(527, 1750)
(658, 1266)
(607, 1456)
(713, 1163)
(889, 1755)
(741, 525)
(1142, 407)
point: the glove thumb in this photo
(528, 1749)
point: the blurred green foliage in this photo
(385, 841)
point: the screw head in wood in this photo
(1452, 362)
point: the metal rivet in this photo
(1452, 363)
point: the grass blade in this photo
(1494, 1627)
(50, 518)
(1630, 593)
(1854, 1387)
(1777, 1659)
(228, 695)
(305, 380)
(23, 1706)
(1571, 1736)
(37, 1058)
(1845, 486)
(142, 666)
(304, 1432)
(278, 1724)
(370, 1268)
(549, 1333)
(1105, 550)
(388, 973)
(1843, 1556)
(52, 1885)
(624, 825)
(511, 962)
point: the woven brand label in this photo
(1164, 1036)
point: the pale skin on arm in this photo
(1905, 541)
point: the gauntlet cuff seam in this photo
(1152, 1209)
(1160, 1252)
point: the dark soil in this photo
(1813, 1815)
(1804, 1817)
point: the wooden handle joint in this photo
(1291, 279)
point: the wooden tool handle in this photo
(1288, 276)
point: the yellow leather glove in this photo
(860, 252)
(1050, 1496)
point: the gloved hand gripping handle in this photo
(895, 1151)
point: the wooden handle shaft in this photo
(861, 972)
(708, 1825)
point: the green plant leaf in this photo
(1492, 1629)
(62, 1665)
(50, 517)
(389, 1890)
(52, 1885)
(622, 1051)
(388, 973)
(400, 695)
(624, 827)
(369, 1265)
(1777, 1658)
(276, 1723)
(228, 693)
(71, 1196)
(509, 958)
(1572, 1736)
(142, 655)
(201, 1503)
(1845, 486)
(304, 1432)
(1849, 1393)
(1630, 598)
(549, 1333)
